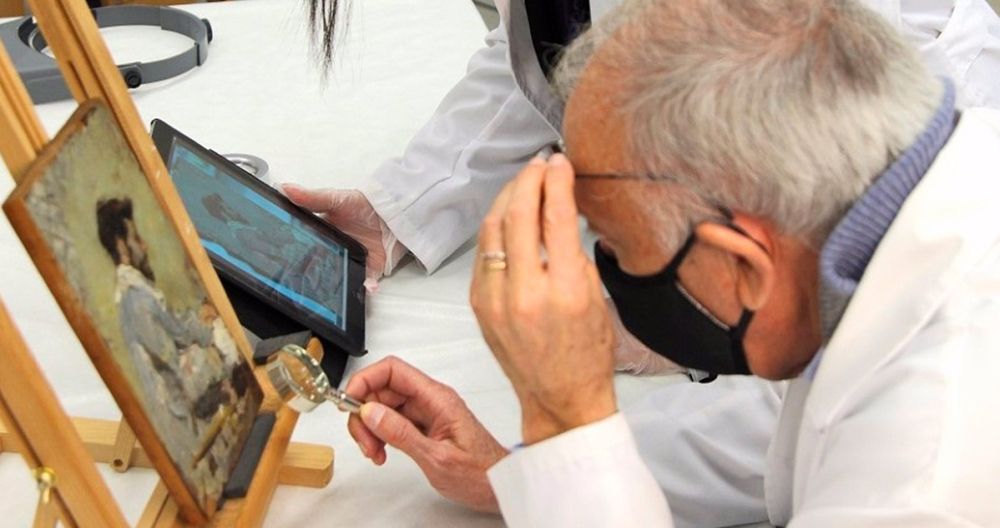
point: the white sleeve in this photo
(435, 195)
(591, 476)
(706, 445)
(874, 517)
(959, 39)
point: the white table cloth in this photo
(260, 93)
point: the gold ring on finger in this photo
(494, 260)
(495, 265)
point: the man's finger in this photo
(369, 444)
(521, 233)
(389, 397)
(487, 283)
(388, 373)
(395, 430)
(560, 228)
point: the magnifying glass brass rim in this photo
(295, 395)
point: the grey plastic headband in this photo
(41, 75)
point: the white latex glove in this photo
(351, 212)
(633, 357)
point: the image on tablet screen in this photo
(247, 231)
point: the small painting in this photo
(116, 264)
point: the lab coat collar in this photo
(943, 230)
(527, 71)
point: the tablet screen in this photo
(248, 231)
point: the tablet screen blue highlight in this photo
(252, 234)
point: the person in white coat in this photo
(430, 200)
(779, 188)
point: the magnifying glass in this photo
(302, 384)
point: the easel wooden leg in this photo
(46, 516)
(169, 517)
(23, 137)
(47, 512)
(45, 437)
(154, 512)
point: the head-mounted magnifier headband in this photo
(41, 75)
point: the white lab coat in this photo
(492, 122)
(900, 426)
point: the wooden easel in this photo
(79, 496)
(90, 73)
(70, 489)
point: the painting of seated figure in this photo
(118, 267)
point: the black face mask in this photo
(659, 312)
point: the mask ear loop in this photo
(678, 259)
(736, 335)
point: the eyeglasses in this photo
(725, 212)
(618, 177)
(560, 147)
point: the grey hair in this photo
(782, 109)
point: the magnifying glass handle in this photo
(344, 402)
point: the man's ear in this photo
(754, 263)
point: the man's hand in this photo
(431, 424)
(351, 212)
(544, 316)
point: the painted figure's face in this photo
(137, 254)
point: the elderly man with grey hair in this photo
(779, 189)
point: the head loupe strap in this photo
(41, 74)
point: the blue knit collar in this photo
(850, 247)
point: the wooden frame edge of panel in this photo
(81, 322)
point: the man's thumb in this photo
(315, 200)
(394, 429)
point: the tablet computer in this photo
(279, 253)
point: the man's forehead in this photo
(593, 130)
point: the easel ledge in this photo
(309, 465)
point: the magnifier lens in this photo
(298, 378)
(312, 383)
(302, 384)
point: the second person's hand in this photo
(351, 212)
